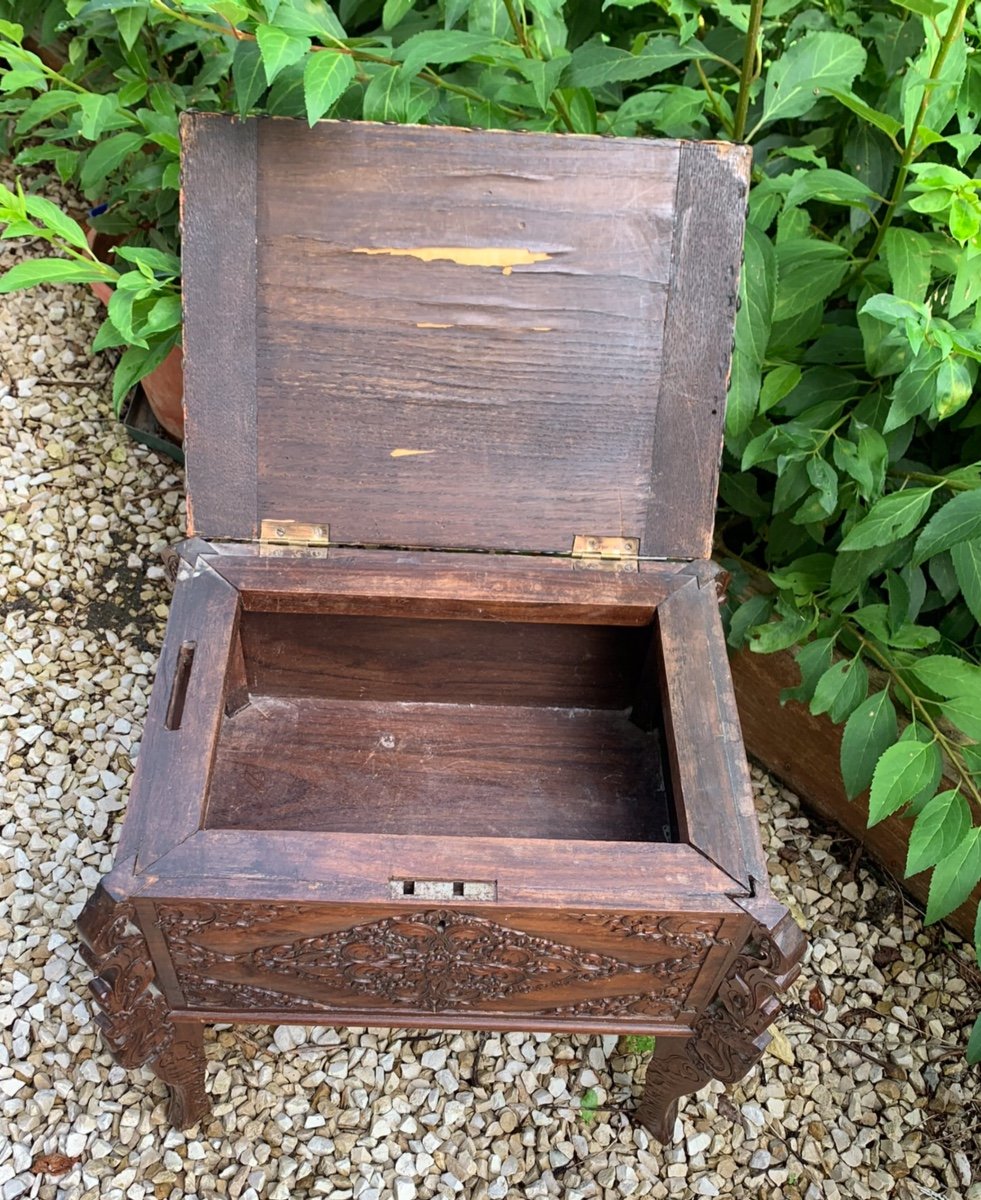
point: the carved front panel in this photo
(309, 958)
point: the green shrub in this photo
(851, 488)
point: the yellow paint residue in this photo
(409, 453)
(505, 257)
(431, 325)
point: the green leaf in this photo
(130, 22)
(914, 391)
(841, 689)
(742, 401)
(813, 660)
(904, 772)
(948, 676)
(870, 731)
(595, 63)
(49, 270)
(58, 222)
(923, 8)
(105, 157)
(107, 337)
(889, 519)
(392, 14)
(937, 831)
(973, 1053)
(97, 111)
(966, 557)
(807, 272)
(134, 364)
(826, 184)
(752, 612)
(442, 47)
(279, 49)
(45, 106)
(588, 1104)
(889, 125)
(121, 304)
(150, 260)
(248, 75)
(326, 76)
(964, 711)
(164, 315)
(758, 284)
(814, 63)
(907, 255)
(778, 384)
(958, 521)
(955, 876)
(387, 96)
(543, 77)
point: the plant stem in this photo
(955, 485)
(358, 55)
(713, 99)
(910, 150)
(521, 33)
(950, 748)
(748, 72)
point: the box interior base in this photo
(457, 727)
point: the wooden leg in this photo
(670, 1075)
(729, 1038)
(182, 1067)
(135, 1020)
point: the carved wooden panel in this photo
(305, 958)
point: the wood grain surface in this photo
(462, 337)
(444, 661)
(218, 258)
(489, 770)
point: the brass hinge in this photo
(293, 534)
(606, 553)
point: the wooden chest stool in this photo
(442, 733)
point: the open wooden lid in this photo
(447, 338)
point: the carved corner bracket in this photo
(729, 1038)
(134, 1019)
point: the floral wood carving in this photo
(435, 960)
(729, 1038)
(134, 1018)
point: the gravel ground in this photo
(864, 1093)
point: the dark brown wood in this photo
(449, 662)
(173, 768)
(360, 766)
(488, 587)
(729, 1037)
(705, 750)
(464, 961)
(348, 867)
(805, 752)
(709, 215)
(218, 226)
(133, 1016)
(489, 347)
(398, 783)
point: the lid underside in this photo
(456, 339)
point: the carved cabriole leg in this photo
(729, 1038)
(135, 1020)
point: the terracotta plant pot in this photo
(164, 387)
